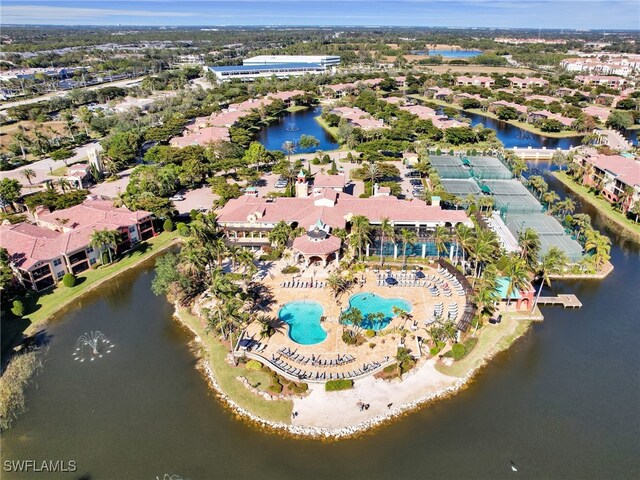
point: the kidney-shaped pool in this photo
(303, 318)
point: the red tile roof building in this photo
(615, 174)
(41, 254)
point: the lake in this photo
(447, 53)
(291, 126)
(561, 403)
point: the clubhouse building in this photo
(280, 66)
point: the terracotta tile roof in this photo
(308, 246)
(288, 95)
(329, 181)
(202, 136)
(306, 212)
(93, 213)
(29, 244)
(626, 170)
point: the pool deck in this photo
(380, 349)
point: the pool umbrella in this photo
(390, 281)
(419, 274)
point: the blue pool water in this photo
(371, 303)
(303, 319)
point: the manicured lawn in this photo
(60, 171)
(332, 130)
(492, 339)
(42, 306)
(601, 204)
(215, 352)
(296, 108)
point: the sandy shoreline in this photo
(318, 416)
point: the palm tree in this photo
(360, 229)
(600, 245)
(280, 234)
(21, 139)
(386, 230)
(464, 237)
(553, 262)
(516, 272)
(549, 198)
(529, 243)
(408, 237)
(623, 198)
(337, 284)
(486, 294)
(483, 248)
(289, 148)
(441, 236)
(105, 240)
(28, 173)
(373, 173)
(402, 314)
(64, 184)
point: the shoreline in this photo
(612, 221)
(356, 429)
(66, 303)
(521, 125)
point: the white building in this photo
(282, 59)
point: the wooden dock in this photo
(566, 300)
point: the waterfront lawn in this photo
(41, 306)
(333, 131)
(226, 376)
(296, 108)
(600, 204)
(491, 340)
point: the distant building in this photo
(476, 81)
(615, 174)
(606, 80)
(527, 82)
(281, 66)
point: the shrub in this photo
(290, 269)
(335, 385)
(435, 350)
(18, 308)
(167, 226)
(458, 351)
(254, 365)
(370, 333)
(390, 368)
(348, 338)
(183, 230)
(315, 161)
(275, 387)
(298, 387)
(15, 379)
(69, 280)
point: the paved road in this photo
(43, 167)
(120, 83)
(616, 141)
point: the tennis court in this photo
(549, 230)
(450, 167)
(460, 188)
(488, 168)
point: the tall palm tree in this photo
(600, 245)
(441, 236)
(518, 275)
(64, 184)
(408, 237)
(289, 148)
(486, 294)
(373, 173)
(105, 240)
(464, 237)
(529, 243)
(386, 230)
(550, 198)
(360, 233)
(337, 284)
(28, 173)
(485, 244)
(553, 262)
(21, 139)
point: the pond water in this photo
(512, 136)
(632, 136)
(561, 403)
(455, 53)
(291, 126)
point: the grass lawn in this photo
(296, 108)
(523, 125)
(43, 305)
(59, 172)
(332, 130)
(601, 204)
(215, 353)
(492, 339)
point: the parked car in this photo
(281, 184)
(177, 198)
(412, 174)
(415, 181)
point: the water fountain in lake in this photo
(292, 128)
(92, 345)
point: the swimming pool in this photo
(371, 303)
(303, 318)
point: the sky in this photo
(581, 14)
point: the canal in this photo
(561, 403)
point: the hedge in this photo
(253, 365)
(18, 308)
(335, 385)
(458, 351)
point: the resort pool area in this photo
(369, 303)
(303, 319)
